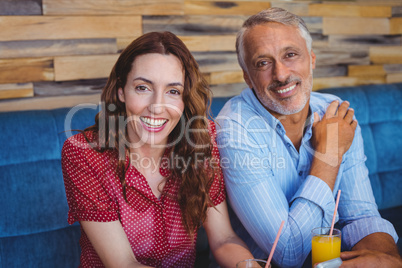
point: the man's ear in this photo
(247, 79)
(121, 95)
(312, 60)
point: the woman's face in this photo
(153, 97)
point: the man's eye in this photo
(262, 63)
(290, 55)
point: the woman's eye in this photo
(174, 92)
(141, 88)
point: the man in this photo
(286, 151)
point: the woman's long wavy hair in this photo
(196, 180)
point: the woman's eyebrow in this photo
(143, 79)
(173, 84)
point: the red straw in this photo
(274, 246)
(336, 208)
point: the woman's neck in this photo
(147, 158)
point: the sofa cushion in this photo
(59, 248)
(33, 198)
(28, 136)
(378, 109)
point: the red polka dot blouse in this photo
(153, 226)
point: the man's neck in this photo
(294, 125)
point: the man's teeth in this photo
(286, 89)
(153, 122)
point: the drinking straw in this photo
(274, 246)
(336, 208)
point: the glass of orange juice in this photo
(323, 246)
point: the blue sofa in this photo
(33, 216)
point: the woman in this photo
(144, 178)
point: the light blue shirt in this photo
(267, 181)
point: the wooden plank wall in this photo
(56, 53)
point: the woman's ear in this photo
(120, 92)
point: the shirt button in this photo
(300, 173)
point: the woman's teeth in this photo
(153, 122)
(286, 89)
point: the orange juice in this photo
(325, 248)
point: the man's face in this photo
(279, 67)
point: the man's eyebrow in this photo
(290, 48)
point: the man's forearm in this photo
(324, 171)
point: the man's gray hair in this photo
(274, 14)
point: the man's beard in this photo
(281, 107)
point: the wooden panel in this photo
(319, 40)
(123, 42)
(359, 26)
(224, 8)
(10, 91)
(335, 56)
(197, 43)
(194, 25)
(69, 87)
(375, 2)
(314, 24)
(47, 28)
(226, 77)
(112, 7)
(394, 78)
(83, 67)
(44, 48)
(20, 7)
(47, 103)
(396, 26)
(26, 70)
(382, 55)
(349, 10)
(330, 70)
(397, 11)
(217, 61)
(320, 83)
(210, 43)
(227, 90)
(299, 9)
(393, 68)
(358, 41)
(366, 70)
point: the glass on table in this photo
(251, 263)
(323, 246)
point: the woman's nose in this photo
(157, 105)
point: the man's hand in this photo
(375, 250)
(332, 137)
(369, 258)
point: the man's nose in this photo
(281, 72)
